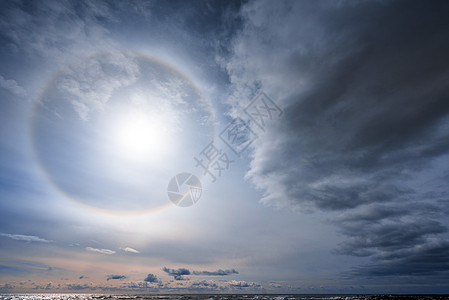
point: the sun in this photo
(139, 135)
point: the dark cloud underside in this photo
(364, 90)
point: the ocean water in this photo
(211, 297)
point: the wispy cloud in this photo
(128, 249)
(88, 87)
(25, 238)
(12, 86)
(56, 40)
(20, 267)
(102, 251)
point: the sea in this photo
(211, 297)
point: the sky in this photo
(224, 146)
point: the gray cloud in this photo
(364, 91)
(178, 274)
(243, 284)
(7, 288)
(141, 286)
(378, 212)
(219, 272)
(151, 278)
(344, 138)
(378, 229)
(203, 285)
(115, 277)
(431, 259)
(367, 238)
(74, 286)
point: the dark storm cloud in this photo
(115, 277)
(219, 272)
(367, 238)
(365, 97)
(378, 212)
(431, 259)
(151, 278)
(374, 106)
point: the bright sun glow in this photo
(139, 135)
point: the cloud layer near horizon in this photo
(179, 274)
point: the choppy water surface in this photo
(210, 297)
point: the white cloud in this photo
(26, 238)
(89, 84)
(63, 30)
(128, 249)
(102, 251)
(12, 86)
